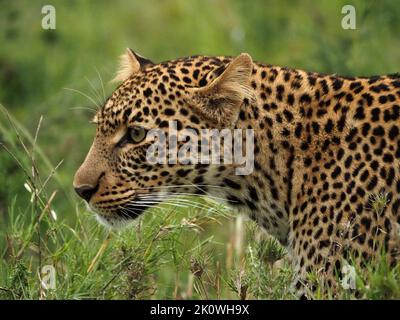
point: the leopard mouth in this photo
(134, 209)
(128, 211)
(132, 212)
(120, 218)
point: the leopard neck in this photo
(289, 118)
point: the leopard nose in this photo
(86, 191)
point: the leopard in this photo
(326, 156)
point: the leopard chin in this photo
(113, 223)
(122, 218)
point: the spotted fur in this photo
(325, 147)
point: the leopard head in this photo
(117, 179)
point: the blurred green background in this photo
(42, 70)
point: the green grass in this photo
(171, 253)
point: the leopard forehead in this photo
(157, 90)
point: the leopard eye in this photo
(137, 134)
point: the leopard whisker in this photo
(178, 200)
(96, 94)
(177, 203)
(185, 194)
(102, 83)
(85, 95)
(148, 204)
(126, 211)
(182, 185)
(84, 108)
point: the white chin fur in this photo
(113, 223)
(110, 223)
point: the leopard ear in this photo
(221, 99)
(130, 63)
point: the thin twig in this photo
(99, 253)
